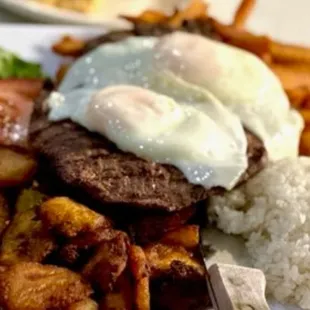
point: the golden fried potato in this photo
(25, 240)
(87, 304)
(69, 218)
(4, 214)
(185, 236)
(140, 271)
(121, 297)
(15, 168)
(153, 227)
(163, 258)
(108, 263)
(34, 286)
(69, 46)
(72, 251)
(28, 199)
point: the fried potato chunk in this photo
(185, 236)
(28, 199)
(163, 259)
(152, 228)
(87, 304)
(140, 271)
(69, 46)
(108, 263)
(72, 251)
(25, 240)
(15, 167)
(4, 214)
(121, 297)
(69, 218)
(34, 286)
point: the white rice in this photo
(272, 212)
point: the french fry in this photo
(243, 12)
(15, 168)
(195, 9)
(259, 45)
(61, 72)
(69, 46)
(299, 96)
(148, 16)
(140, 271)
(306, 115)
(289, 53)
(305, 143)
(292, 76)
(185, 236)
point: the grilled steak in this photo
(94, 166)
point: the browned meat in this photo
(92, 165)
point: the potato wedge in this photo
(4, 214)
(26, 240)
(76, 248)
(69, 218)
(108, 263)
(140, 271)
(15, 168)
(29, 199)
(87, 304)
(184, 236)
(69, 46)
(121, 297)
(152, 228)
(164, 259)
(34, 286)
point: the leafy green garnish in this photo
(11, 66)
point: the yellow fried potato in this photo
(87, 304)
(69, 46)
(69, 218)
(108, 263)
(25, 240)
(161, 259)
(28, 199)
(121, 297)
(4, 214)
(15, 168)
(140, 271)
(305, 143)
(34, 286)
(185, 236)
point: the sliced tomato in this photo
(15, 113)
(28, 87)
(16, 106)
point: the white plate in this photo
(108, 17)
(285, 20)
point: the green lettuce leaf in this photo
(11, 66)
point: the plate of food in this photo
(89, 12)
(161, 167)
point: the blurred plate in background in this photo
(108, 17)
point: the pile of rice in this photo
(272, 212)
